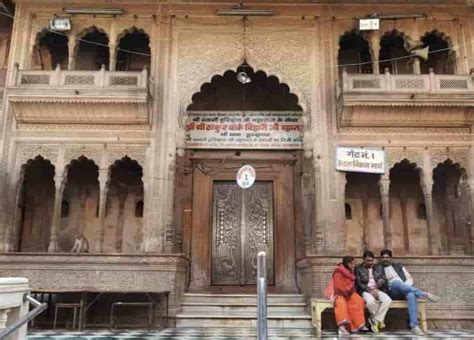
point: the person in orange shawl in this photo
(348, 305)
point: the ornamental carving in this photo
(90, 152)
(397, 155)
(27, 152)
(284, 55)
(459, 156)
(137, 154)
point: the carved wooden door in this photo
(242, 227)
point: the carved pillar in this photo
(318, 232)
(103, 191)
(71, 53)
(375, 44)
(470, 222)
(416, 65)
(59, 184)
(426, 182)
(384, 187)
(119, 232)
(112, 56)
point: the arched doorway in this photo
(241, 117)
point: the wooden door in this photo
(242, 227)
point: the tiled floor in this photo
(233, 333)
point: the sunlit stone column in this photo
(103, 191)
(71, 53)
(112, 56)
(318, 232)
(384, 187)
(375, 44)
(59, 184)
(426, 182)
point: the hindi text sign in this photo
(244, 130)
(371, 160)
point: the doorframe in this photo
(276, 166)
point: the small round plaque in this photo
(246, 176)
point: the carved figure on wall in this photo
(81, 245)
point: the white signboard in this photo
(370, 160)
(244, 130)
(372, 24)
(246, 176)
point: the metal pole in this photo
(262, 329)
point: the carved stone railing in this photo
(12, 304)
(408, 89)
(79, 97)
(76, 79)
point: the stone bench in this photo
(318, 306)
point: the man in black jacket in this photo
(372, 285)
(402, 288)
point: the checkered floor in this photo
(234, 333)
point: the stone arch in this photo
(451, 207)
(409, 235)
(125, 189)
(395, 44)
(442, 62)
(126, 61)
(50, 49)
(100, 49)
(354, 48)
(196, 85)
(33, 206)
(81, 191)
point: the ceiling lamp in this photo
(106, 11)
(239, 10)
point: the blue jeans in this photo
(401, 291)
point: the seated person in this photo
(372, 285)
(401, 288)
(348, 305)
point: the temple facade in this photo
(122, 135)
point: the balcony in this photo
(79, 97)
(427, 100)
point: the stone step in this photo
(242, 298)
(244, 308)
(242, 320)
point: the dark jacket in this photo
(362, 278)
(399, 269)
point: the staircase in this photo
(240, 310)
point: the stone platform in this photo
(234, 333)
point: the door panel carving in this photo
(242, 227)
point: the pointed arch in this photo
(50, 49)
(92, 49)
(137, 40)
(441, 57)
(394, 52)
(354, 48)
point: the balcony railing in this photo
(77, 79)
(406, 89)
(80, 97)
(403, 83)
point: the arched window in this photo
(133, 51)
(51, 49)
(392, 49)
(354, 49)
(348, 211)
(421, 211)
(440, 58)
(93, 50)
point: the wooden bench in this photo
(318, 306)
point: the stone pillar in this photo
(416, 65)
(375, 44)
(103, 191)
(112, 56)
(470, 222)
(59, 184)
(71, 53)
(384, 187)
(119, 232)
(318, 232)
(432, 236)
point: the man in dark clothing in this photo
(401, 288)
(372, 285)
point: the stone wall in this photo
(65, 272)
(452, 278)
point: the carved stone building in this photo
(95, 141)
